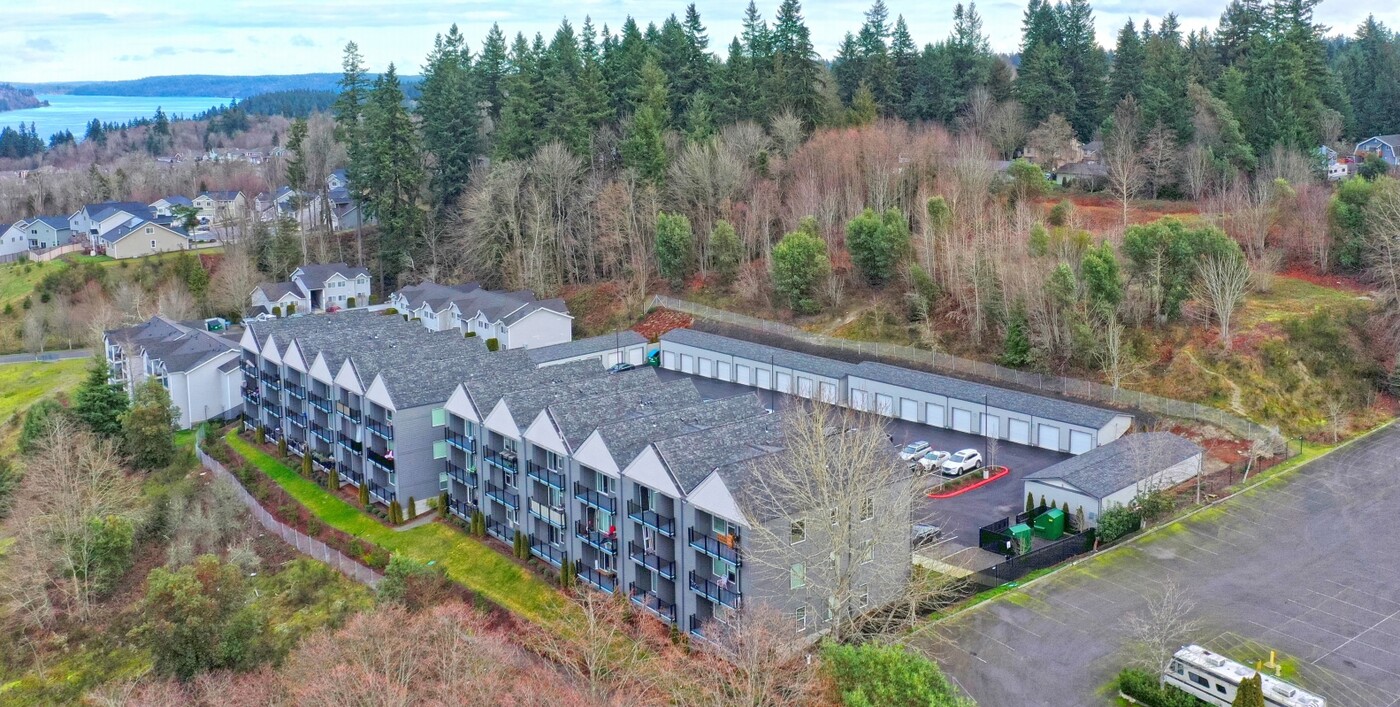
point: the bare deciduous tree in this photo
(175, 302)
(1121, 158)
(787, 133)
(1160, 155)
(1221, 286)
(1154, 634)
(1051, 142)
(1116, 359)
(232, 287)
(1006, 130)
(589, 643)
(760, 664)
(36, 331)
(1197, 171)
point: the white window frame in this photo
(797, 576)
(800, 618)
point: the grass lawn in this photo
(108, 262)
(1290, 298)
(23, 384)
(15, 284)
(467, 561)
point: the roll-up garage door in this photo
(707, 368)
(884, 404)
(784, 382)
(765, 378)
(934, 416)
(1080, 442)
(614, 358)
(723, 370)
(991, 426)
(828, 391)
(962, 420)
(741, 374)
(804, 387)
(1019, 431)
(909, 409)
(637, 356)
(859, 401)
(1048, 436)
(687, 363)
(668, 360)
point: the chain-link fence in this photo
(310, 547)
(789, 337)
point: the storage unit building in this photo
(757, 365)
(608, 349)
(1116, 473)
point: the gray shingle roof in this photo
(584, 347)
(486, 391)
(692, 458)
(506, 307)
(526, 404)
(315, 276)
(967, 391)
(626, 439)
(437, 295)
(178, 200)
(135, 208)
(1121, 463)
(180, 348)
(576, 419)
(277, 290)
(135, 225)
(220, 195)
(759, 352)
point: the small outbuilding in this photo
(1116, 473)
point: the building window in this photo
(863, 598)
(867, 509)
(442, 481)
(797, 576)
(867, 551)
(1203, 682)
(440, 449)
(153, 244)
(797, 532)
(510, 515)
(439, 417)
(800, 617)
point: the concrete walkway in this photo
(46, 357)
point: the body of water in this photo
(68, 112)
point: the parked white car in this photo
(933, 459)
(913, 450)
(966, 460)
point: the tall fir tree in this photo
(1129, 65)
(644, 146)
(1088, 67)
(793, 83)
(394, 177)
(1163, 96)
(522, 115)
(448, 105)
(100, 404)
(491, 69)
(905, 56)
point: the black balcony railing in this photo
(549, 553)
(460, 441)
(297, 418)
(295, 391)
(697, 626)
(461, 475)
(505, 460)
(271, 381)
(348, 412)
(650, 560)
(272, 408)
(380, 427)
(499, 530)
(594, 498)
(321, 433)
(714, 590)
(605, 580)
(500, 495)
(320, 403)
(297, 448)
(601, 539)
(664, 524)
(380, 493)
(349, 443)
(545, 475)
(251, 397)
(651, 602)
(461, 509)
(552, 516)
(349, 475)
(322, 464)
(383, 461)
(724, 547)
(250, 370)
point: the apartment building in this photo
(199, 368)
(514, 319)
(313, 288)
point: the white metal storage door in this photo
(1019, 431)
(1080, 442)
(784, 382)
(765, 378)
(707, 368)
(884, 404)
(636, 356)
(909, 409)
(804, 387)
(741, 374)
(668, 360)
(1048, 436)
(991, 426)
(962, 420)
(614, 357)
(723, 370)
(934, 415)
(859, 401)
(828, 391)
(687, 363)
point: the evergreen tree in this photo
(349, 107)
(877, 242)
(561, 70)
(98, 403)
(295, 165)
(522, 115)
(727, 252)
(1129, 65)
(1016, 350)
(1043, 84)
(644, 147)
(148, 428)
(394, 175)
(1164, 82)
(793, 83)
(799, 264)
(675, 247)
(905, 57)
(1250, 692)
(1088, 67)
(448, 106)
(1369, 69)
(491, 70)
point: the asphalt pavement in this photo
(46, 356)
(1304, 564)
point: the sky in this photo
(91, 40)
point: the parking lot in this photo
(1304, 565)
(960, 516)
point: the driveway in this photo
(1305, 565)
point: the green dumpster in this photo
(1021, 537)
(1050, 524)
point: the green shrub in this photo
(395, 512)
(1147, 689)
(493, 344)
(282, 446)
(364, 494)
(411, 509)
(277, 310)
(1116, 522)
(1060, 213)
(389, 311)
(470, 335)
(442, 502)
(350, 302)
(888, 676)
(306, 465)
(291, 308)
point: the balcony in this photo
(321, 464)
(251, 397)
(384, 461)
(350, 475)
(499, 530)
(462, 475)
(380, 493)
(552, 516)
(696, 626)
(321, 433)
(505, 460)
(380, 427)
(714, 590)
(545, 475)
(295, 391)
(652, 561)
(722, 547)
(271, 381)
(605, 580)
(595, 538)
(320, 403)
(651, 602)
(297, 418)
(549, 553)
(249, 423)
(664, 524)
(460, 441)
(348, 412)
(595, 499)
(501, 496)
(272, 408)
(349, 443)
(461, 509)
(250, 369)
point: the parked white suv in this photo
(933, 459)
(966, 460)
(913, 450)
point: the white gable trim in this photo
(502, 422)
(541, 433)
(594, 454)
(293, 358)
(249, 342)
(321, 371)
(270, 351)
(713, 497)
(648, 470)
(379, 393)
(348, 379)
(460, 404)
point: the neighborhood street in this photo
(1303, 565)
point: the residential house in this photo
(1090, 175)
(138, 237)
(282, 202)
(220, 206)
(337, 180)
(1385, 146)
(316, 287)
(346, 213)
(1116, 473)
(165, 206)
(514, 319)
(48, 232)
(199, 368)
(14, 238)
(89, 219)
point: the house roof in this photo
(277, 290)
(693, 457)
(225, 195)
(57, 222)
(1012, 400)
(1392, 140)
(339, 196)
(178, 347)
(1122, 463)
(830, 368)
(506, 307)
(626, 439)
(97, 210)
(1083, 169)
(437, 295)
(577, 419)
(338, 173)
(315, 276)
(584, 347)
(525, 405)
(176, 200)
(486, 391)
(135, 224)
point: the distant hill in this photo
(12, 98)
(196, 85)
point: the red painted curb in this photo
(1004, 471)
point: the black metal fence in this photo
(996, 537)
(1014, 568)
